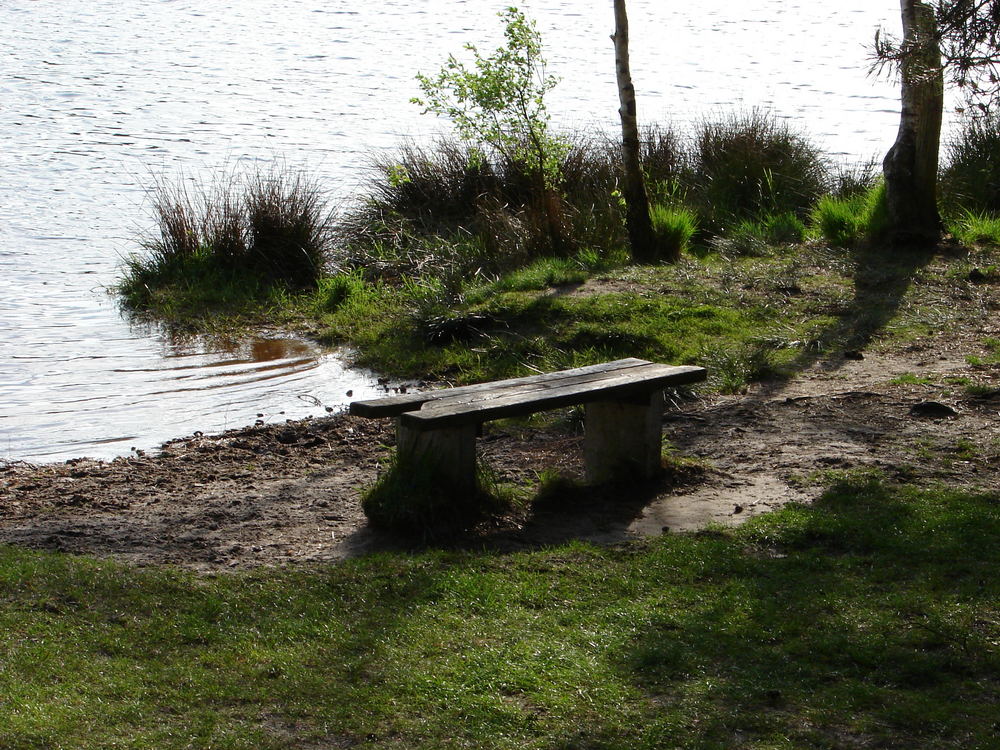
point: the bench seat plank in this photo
(506, 400)
(393, 406)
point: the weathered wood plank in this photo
(634, 382)
(448, 453)
(594, 380)
(623, 440)
(392, 406)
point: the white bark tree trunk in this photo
(911, 165)
(637, 221)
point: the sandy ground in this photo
(283, 494)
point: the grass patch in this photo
(869, 619)
(908, 378)
(991, 357)
(848, 221)
(410, 499)
(970, 172)
(752, 317)
(976, 228)
(512, 327)
(750, 164)
(543, 274)
(733, 369)
(673, 227)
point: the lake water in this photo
(99, 97)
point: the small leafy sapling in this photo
(498, 103)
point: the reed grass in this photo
(750, 164)
(241, 234)
(849, 221)
(970, 173)
(422, 198)
(674, 228)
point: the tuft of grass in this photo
(233, 242)
(848, 221)
(544, 273)
(850, 180)
(487, 207)
(673, 227)
(784, 229)
(980, 390)
(908, 378)
(992, 347)
(733, 369)
(976, 228)
(746, 238)
(755, 237)
(409, 499)
(332, 292)
(750, 164)
(556, 491)
(970, 173)
(289, 228)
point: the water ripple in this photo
(101, 95)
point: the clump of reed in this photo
(673, 227)
(750, 165)
(449, 208)
(266, 228)
(970, 173)
(447, 211)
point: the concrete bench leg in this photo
(447, 453)
(622, 439)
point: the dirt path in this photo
(290, 493)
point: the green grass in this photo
(970, 166)
(992, 355)
(848, 221)
(410, 499)
(195, 291)
(908, 378)
(976, 228)
(674, 228)
(520, 323)
(751, 164)
(544, 273)
(745, 317)
(870, 619)
(748, 317)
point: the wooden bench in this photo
(622, 429)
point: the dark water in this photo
(98, 97)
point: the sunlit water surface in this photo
(98, 97)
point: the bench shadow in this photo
(599, 514)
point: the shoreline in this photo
(289, 494)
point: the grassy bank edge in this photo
(870, 617)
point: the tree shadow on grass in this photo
(868, 620)
(882, 278)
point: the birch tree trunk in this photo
(910, 167)
(637, 221)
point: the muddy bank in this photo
(282, 494)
